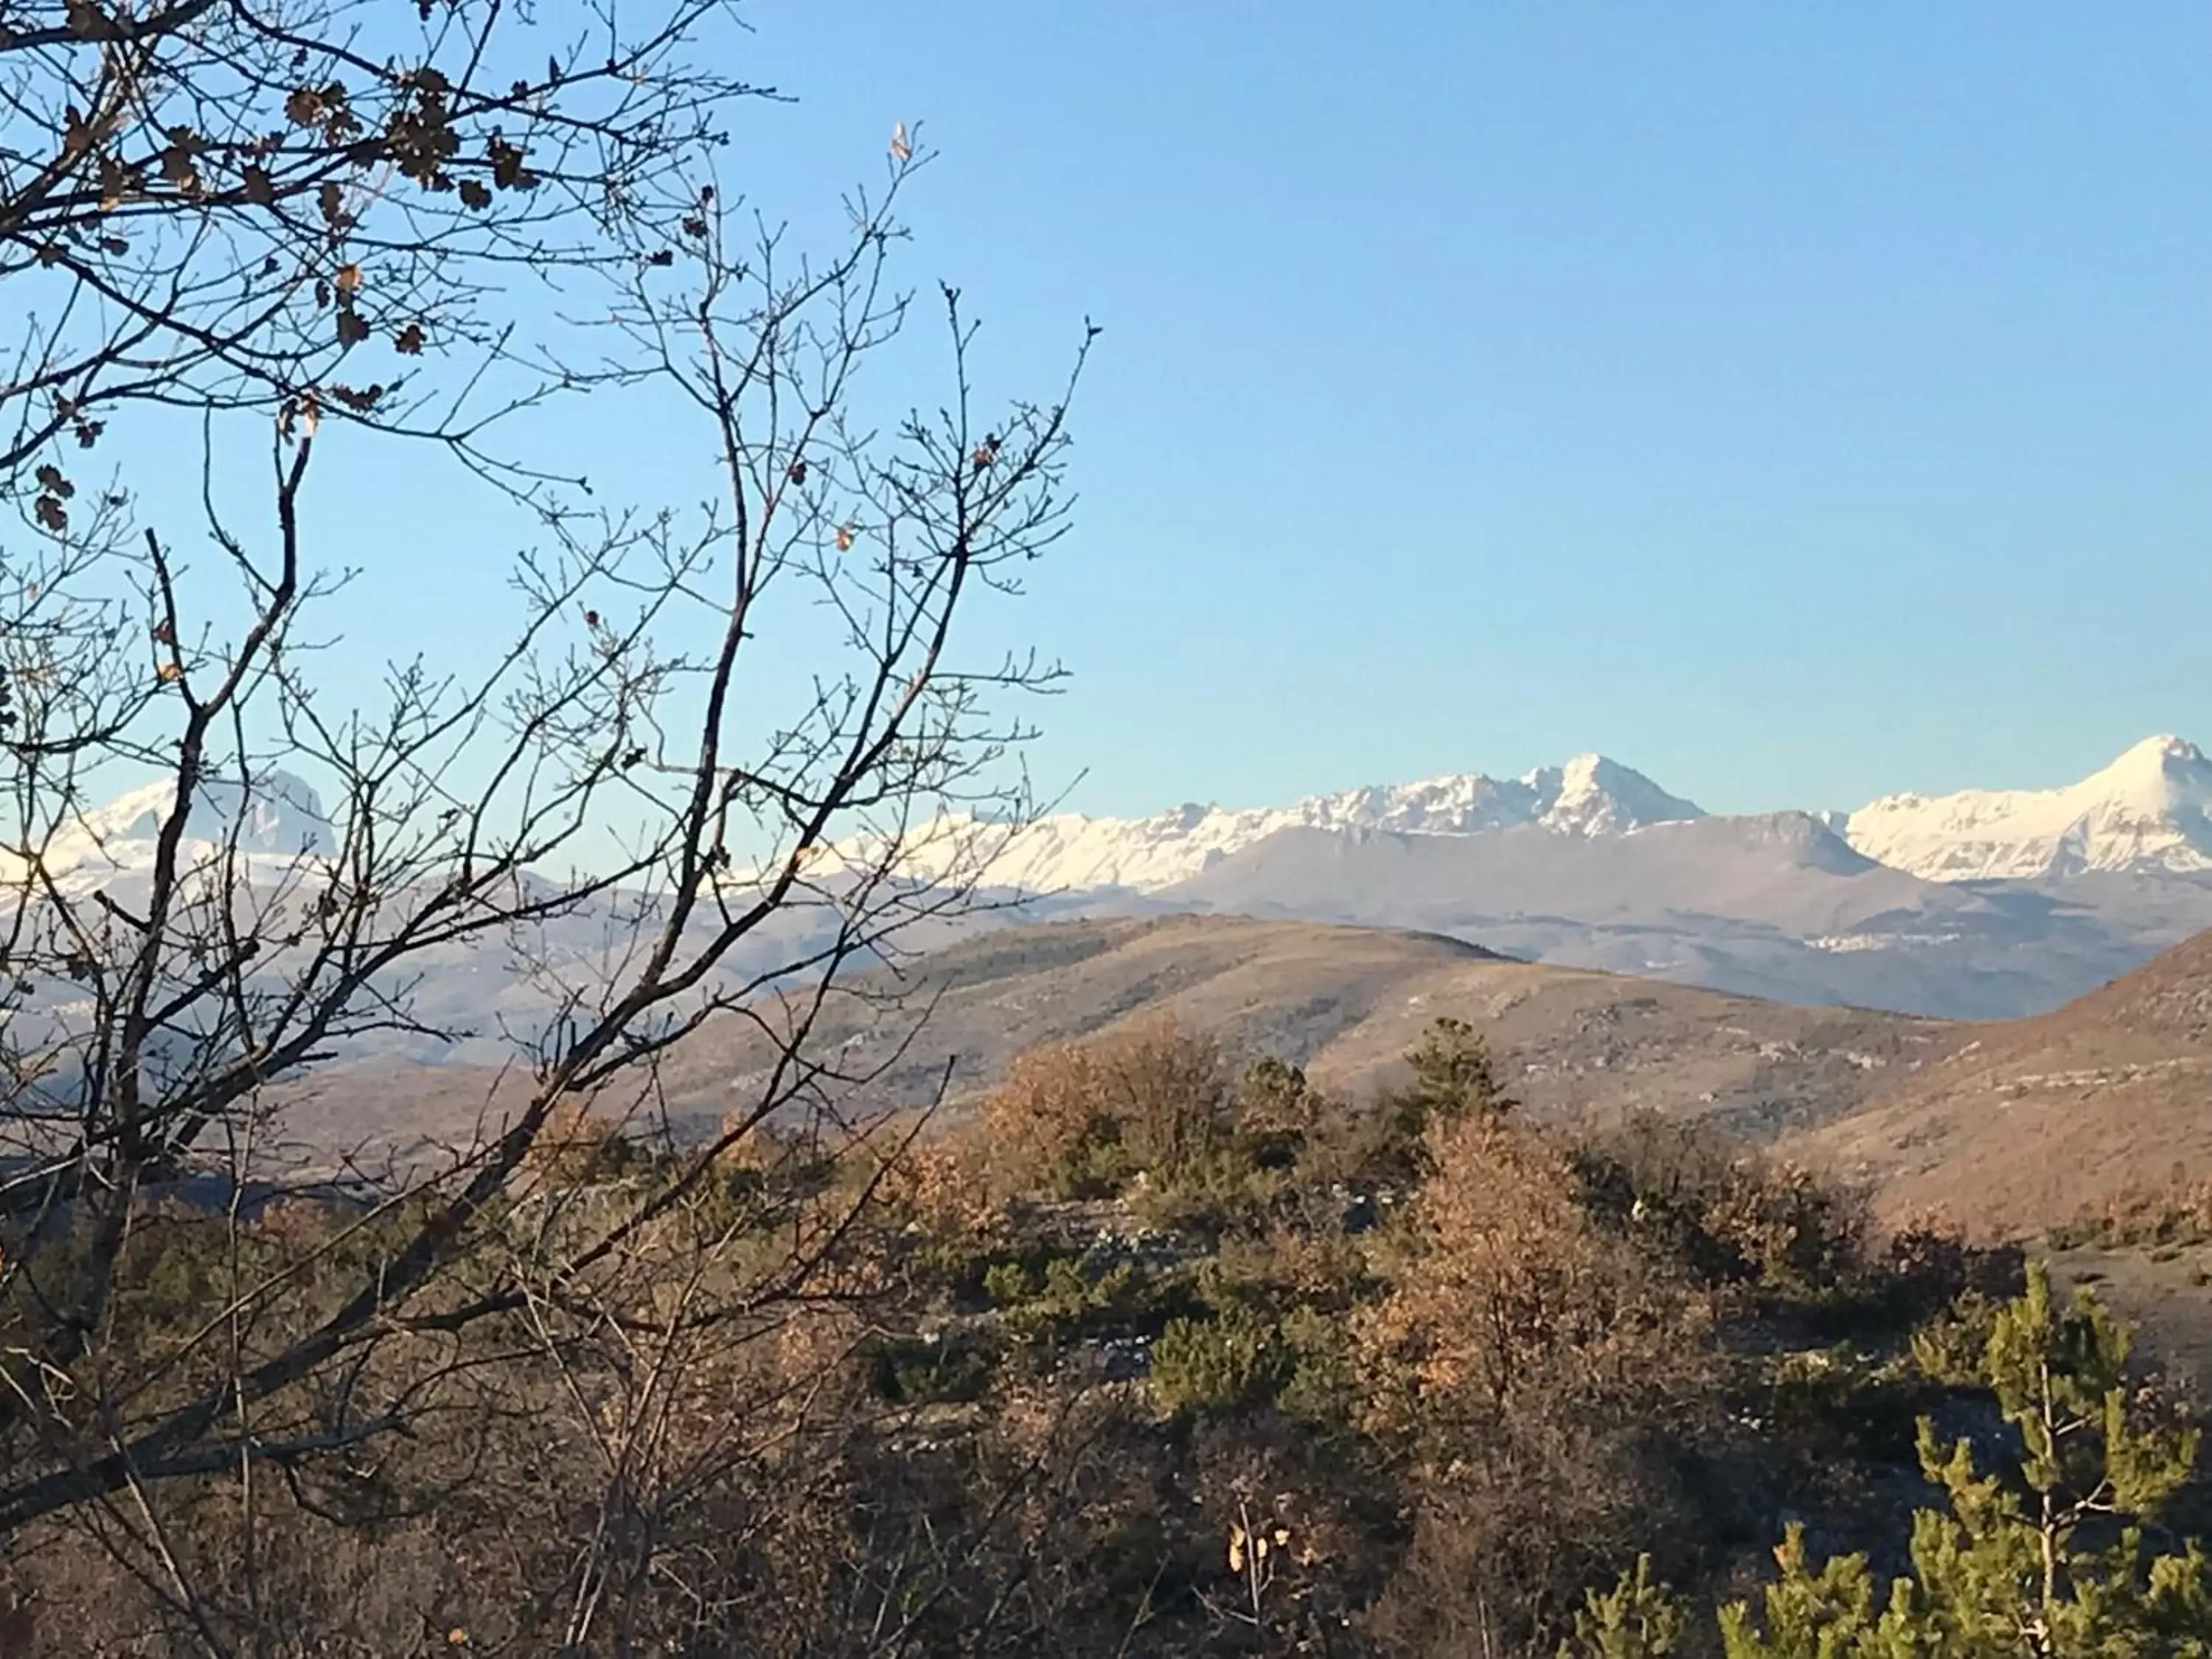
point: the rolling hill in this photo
(2024, 1123)
(1346, 1003)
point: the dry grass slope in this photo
(1347, 1002)
(2038, 1119)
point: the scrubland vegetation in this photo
(1153, 1354)
(1161, 1351)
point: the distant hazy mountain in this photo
(479, 999)
(1776, 905)
(2149, 813)
(276, 816)
(1986, 904)
(1589, 796)
(2149, 809)
(279, 813)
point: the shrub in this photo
(1688, 1193)
(1046, 1123)
(1794, 1231)
(933, 1202)
(1167, 1090)
(1453, 1077)
(577, 1146)
(2178, 1213)
(1322, 1386)
(1084, 1118)
(1066, 1303)
(1546, 1382)
(1219, 1364)
(1843, 1403)
(1511, 1297)
(918, 1370)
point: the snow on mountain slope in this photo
(279, 817)
(1589, 796)
(1776, 905)
(1590, 863)
(278, 814)
(2149, 811)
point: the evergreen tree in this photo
(1453, 1077)
(1636, 1620)
(2048, 1563)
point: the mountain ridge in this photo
(275, 815)
(2148, 811)
(1346, 1003)
(1590, 865)
(1588, 795)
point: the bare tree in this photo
(317, 225)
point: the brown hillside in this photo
(2039, 1117)
(1346, 1003)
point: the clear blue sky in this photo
(1796, 403)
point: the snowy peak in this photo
(1589, 796)
(276, 816)
(2163, 771)
(2150, 810)
(277, 813)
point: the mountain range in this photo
(1820, 961)
(1983, 904)
(2149, 811)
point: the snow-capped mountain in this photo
(1986, 904)
(2149, 811)
(277, 816)
(1067, 853)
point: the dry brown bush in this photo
(1509, 1295)
(1168, 1088)
(576, 1145)
(1083, 1118)
(747, 1143)
(1043, 1115)
(1538, 1372)
(1795, 1228)
(2177, 1211)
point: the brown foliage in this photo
(846, 1395)
(577, 1145)
(2176, 1211)
(1511, 1295)
(1084, 1118)
(1539, 1370)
